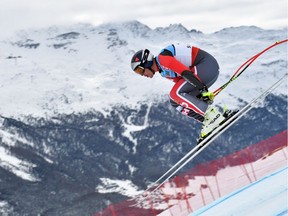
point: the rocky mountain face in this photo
(74, 121)
(87, 147)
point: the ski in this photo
(209, 138)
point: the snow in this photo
(252, 188)
(17, 166)
(268, 196)
(11, 162)
(124, 187)
(11, 139)
(130, 128)
(91, 70)
(225, 182)
(5, 208)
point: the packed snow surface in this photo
(266, 197)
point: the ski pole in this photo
(245, 109)
(245, 65)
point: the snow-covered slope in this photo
(233, 183)
(248, 182)
(83, 67)
(267, 196)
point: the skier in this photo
(193, 70)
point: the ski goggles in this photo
(139, 70)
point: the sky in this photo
(204, 15)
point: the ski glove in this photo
(207, 97)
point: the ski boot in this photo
(228, 113)
(213, 119)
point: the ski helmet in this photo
(141, 60)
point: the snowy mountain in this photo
(77, 68)
(76, 121)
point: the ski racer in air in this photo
(193, 70)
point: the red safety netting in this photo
(207, 182)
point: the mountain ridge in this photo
(62, 64)
(77, 117)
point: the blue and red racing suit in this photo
(175, 60)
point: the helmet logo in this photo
(145, 56)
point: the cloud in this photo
(203, 15)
